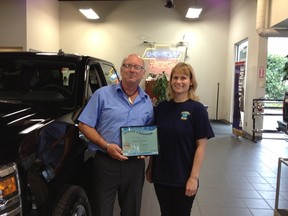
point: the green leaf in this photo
(159, 89)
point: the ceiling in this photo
(180, 5)
(282, 25)
(109, 0)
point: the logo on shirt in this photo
(184, 115)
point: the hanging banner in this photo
(238, 98)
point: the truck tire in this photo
(74, 201)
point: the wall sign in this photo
(162, 58)
(261, 72)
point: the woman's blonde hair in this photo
(183, 68)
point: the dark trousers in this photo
(172, 200)
(111, 177)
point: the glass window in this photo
(36, 79)
(111, 74)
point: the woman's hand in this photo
(191, 186)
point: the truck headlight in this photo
(10, 192)
(8, 186)
(9, 183)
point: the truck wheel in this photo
(74, 201)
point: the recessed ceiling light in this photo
(89, 13)
(193, 13)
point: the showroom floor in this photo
(238, 178)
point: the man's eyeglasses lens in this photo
(130, 66)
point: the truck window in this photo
(96, 80)
(35, 80)
(110, 73)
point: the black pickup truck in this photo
(44, 165)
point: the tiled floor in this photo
(238, 178)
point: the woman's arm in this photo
(192, 182)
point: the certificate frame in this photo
(139, 140)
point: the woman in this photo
(183, 130)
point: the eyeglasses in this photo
(130, 66)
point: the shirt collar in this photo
(141, 92)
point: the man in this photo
(111, 107)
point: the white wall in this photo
(13, 28)
(242, 27)
(278, 12)
(125, 25)
(42, 25)
(30, 24)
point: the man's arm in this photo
(92, 134)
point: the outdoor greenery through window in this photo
(276, 84)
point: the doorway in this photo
(241, 50)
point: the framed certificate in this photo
(139, 140)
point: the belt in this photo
(107, 155)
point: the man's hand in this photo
(115, 152)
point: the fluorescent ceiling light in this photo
(193, 13)
(89, 13)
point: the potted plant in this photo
(159, 89)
